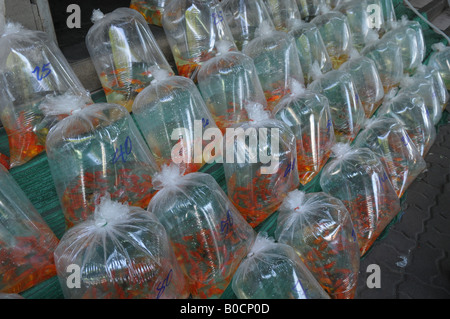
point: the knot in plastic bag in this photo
(108, 211)
(169, 177)
(368, 123)
(159, 74)
(316, 72)
(12, 27)
(438, 47)
(256, 112)
(340, 150)
(264, 29)
(297, 88)
(97, 15)
(262, 242)
(67, 103)
(406, 81)
(295, 201)
(223, 46)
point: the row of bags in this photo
(127, 252)
(127, 58)
(122, 150)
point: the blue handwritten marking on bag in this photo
(165, 283)
(123, 155)
(39, 75)
(225, 225)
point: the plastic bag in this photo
(336, 35)
(192, 29)
(387, 138)
(433, 75)
(228, 82)
(244, 17)
(281, 12)
(26, 242)
(320, 229)
(309, 9)
(277, 63)
(440, 60)
(166, 112)
(410, 110)
(357, 177)
(358, 20)
(99, 149)
(408, 36)
(31, 67)
(274, 271)
(347, 112)
(260, 170)
(152, 10)
(309, 117)
(123, 51)
(388, 60)
(367, 82)
(425, 88)
(207, 233)
(310, 48)
(123, 253)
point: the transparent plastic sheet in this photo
(411, 111)
(274, 271)
(152, 10)
(309, 9)
(408, 36)
(420, 85)
(433, 75)
(387, 138)
(99, 149)
(367, 82)
(388, 11)
(347, 112)
(169, 112)
(207, 233)
(310, 47)
(244, 17)
(336, 35)
(358, 20)
(121, 252)
(123, 51)
(228, 83)
(358, 178)
(276, 60)
(192, 28)
(26, 241)
(31, 67)
(260, 166)
(388, 60)
(440, 60)
(281, 12)
(320, 229)
(309, 117)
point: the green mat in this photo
(36, 181)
